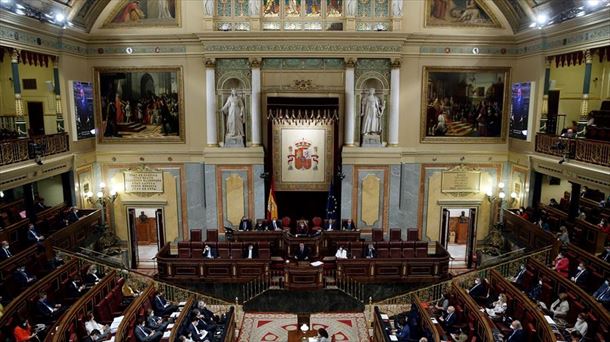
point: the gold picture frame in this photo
(154, 127)
(465, 105)
(132, 13)
(297, 156)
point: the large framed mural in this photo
(464, 105)
(462, 13)
(140, 105)
(142, 13)
(302, 156)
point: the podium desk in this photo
(301, 275)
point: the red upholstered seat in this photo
(184, 249)
(395, 234)
(196, 235)
(316, 222)
(212, 235)
(197, 250)
(377, 234)
(286, 222)
(412, 234)
(264, 253)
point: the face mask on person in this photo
(580, 268)
(477, 281)
(579, 320)
(607, 282)
(540, 282)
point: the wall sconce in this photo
(513, 197)
(103, 197)
(491, 197)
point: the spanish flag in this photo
(271, 204)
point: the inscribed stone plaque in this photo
(151, 182)
(461, 181)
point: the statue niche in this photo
(233, 112)
(372, 108)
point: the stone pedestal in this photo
(371, 140)
(234, 142)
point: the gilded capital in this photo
(547, 62)
(350, 63)
(15, 56)
(588, 58)
(396, 63)
(210, 63)
(255, 63)
(55, 62)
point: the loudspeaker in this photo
(553, 110)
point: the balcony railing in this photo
(584, 150)
(18, 150)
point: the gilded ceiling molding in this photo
(314, 46)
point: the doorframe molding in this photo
(140, 204)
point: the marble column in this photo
(350, 114)
(210, 100)
(394, 105)
(255, 109)
(58, 111)
(20, 124)
(584, 106)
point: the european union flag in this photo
(331, 203)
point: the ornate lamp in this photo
(103, 197)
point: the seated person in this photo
(92, 325)
(197, 335)
(518, 277)
(581, 276)
(521, 212)
(518, 335)
(605, 256)
(250, 252)
(560, 307)
(55, 262)
(93, 336)
(259, 226)
(39, 204)
(128, 291)
(602, 294)
(581, 325)
(275, 224)
(553, 203)
(46, 309)
(349, 225)
(154, 322)
(370, 252)
(33, 234)
(302, 253)
(478, 290)
(563, 236)
(72, 215)
(5, 252)
(245, 224)
(403, 332)
(23, 332)
(575, 336)
(162, 306)
(535, 291)
(204, 310)
(204, 322)
(144, 334)
(208, 252)
(322, 335)
(498, 307)
(561, 265)
(341, 253)
(302, 228)
(92, 278)
(22, 278)
(330, 225)
(443, 303)
(449, 319)
(75, 289)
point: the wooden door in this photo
(160, 229)
(472, 236)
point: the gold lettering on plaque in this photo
(143, 182)
(461, 181)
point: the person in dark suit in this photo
(204, 322)
(302, 253)
(75, 289)
(602, 294)
(404, 333)
(275, 224)
(259, 226)
(204, 310)
(197, 335)
(250, 252)
(144, 334)
(155, 323)
(92, 278)
(46, 309)
(349, 225)
(518, 335)
(605, 256)
(5, 252)
(478, 290)
(161, 306)
(22, 278)
(581, 276)
(448, 320)
(209, 252)
(245, 224)
(73, 215)
(518, 277)
(535, 292)
(330, 225)
(302, 228)
(370, 252)
(33, 234)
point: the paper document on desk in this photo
(182, 304)
(434, 320)
(549, 320)
(384, 316)
(393, 338)
(170, 326)
(166, 334)
(174, 314)
(316, 263)
(312, 339)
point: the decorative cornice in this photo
(301, 46)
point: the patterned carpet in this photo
(262, 327)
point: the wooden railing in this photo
(17, 150)
(482, 324)
(584, 150)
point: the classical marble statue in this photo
(254, 6)
(397, 8)
(208, 7)
(350, 8)
(371, 109)
(234, 109)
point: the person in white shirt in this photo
(91, 324)
(560, 307)
(499, 306)
(341, 253)
(581, 325)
